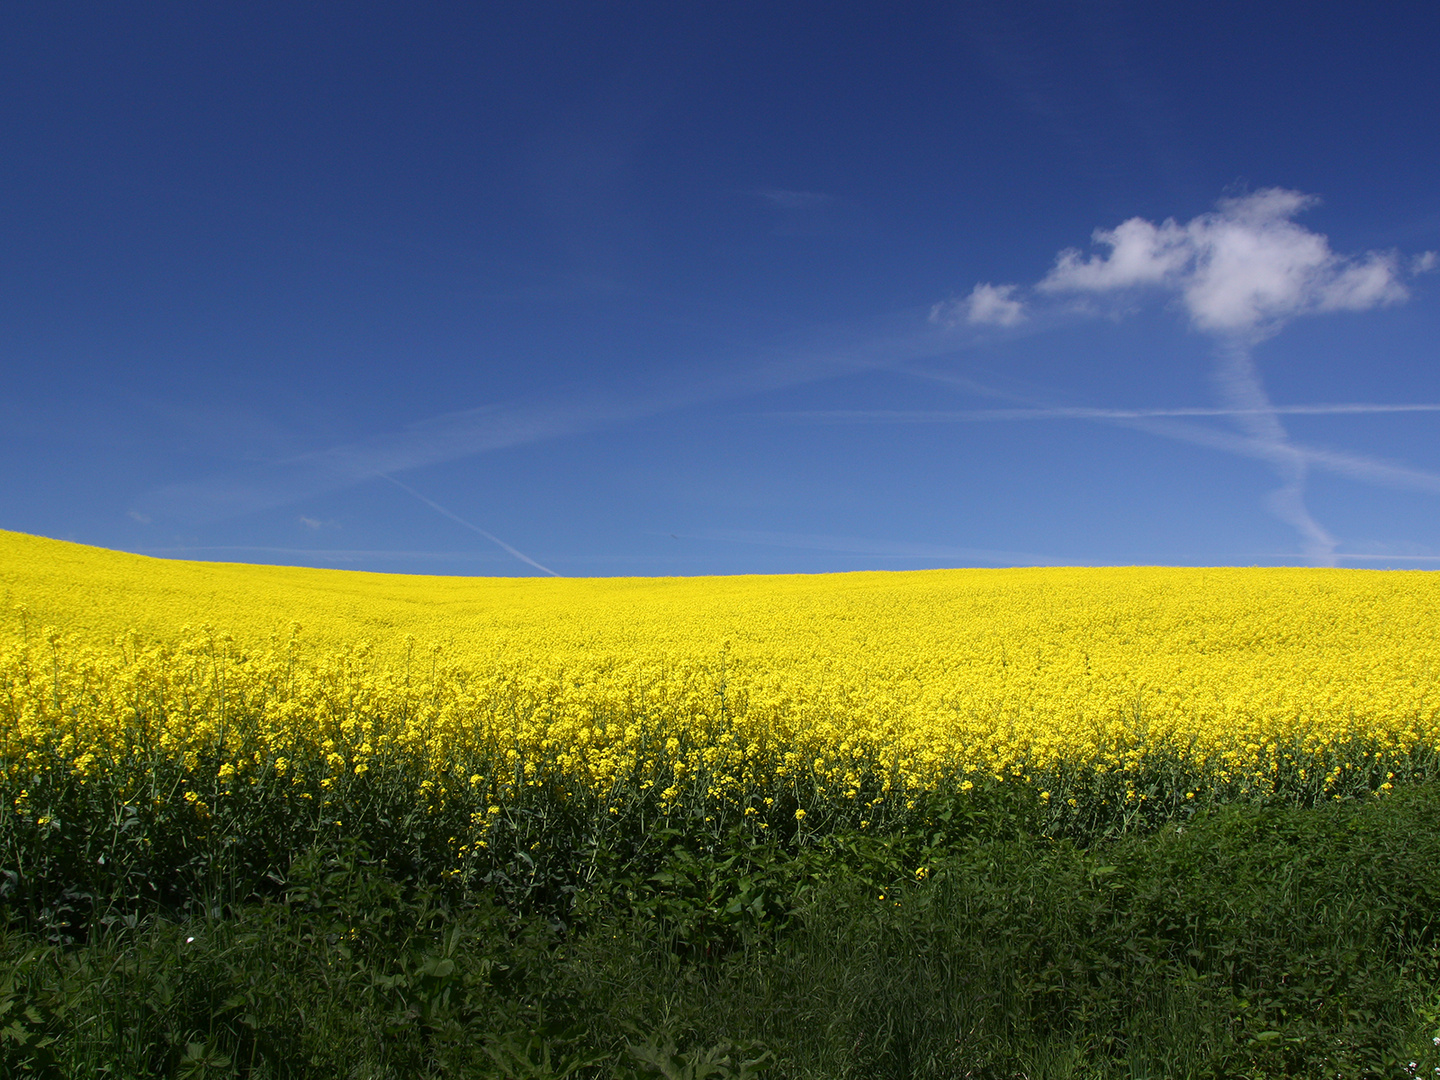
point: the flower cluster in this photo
(824, 695)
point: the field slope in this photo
(1125, 821)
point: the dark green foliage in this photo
(1243, 942)
(151, 831)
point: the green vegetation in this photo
(1244, 941)
(1127, 823)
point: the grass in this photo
(1244, 942)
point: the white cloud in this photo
(994, 304)
(1243, 269)
(1140, 254)
(135, 515)
(987, 305)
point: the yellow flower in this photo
(853, 693)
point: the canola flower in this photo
(794, 699)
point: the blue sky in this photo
(672, 288)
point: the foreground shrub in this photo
(1248, 942)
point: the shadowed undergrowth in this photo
(1245, 941)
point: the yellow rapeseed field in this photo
(824, 691)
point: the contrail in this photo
(1260, 443)
(1388, 558)
(1077, 412)
(1352, 465)
(1241, 271)
(1164, 422)
(1243, 391)
(1167, 423)
(879, 345)
(473, 528)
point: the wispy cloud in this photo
(987, 305)
(358, 555)
(885, 344)
(428, 442)
(1241, 272)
